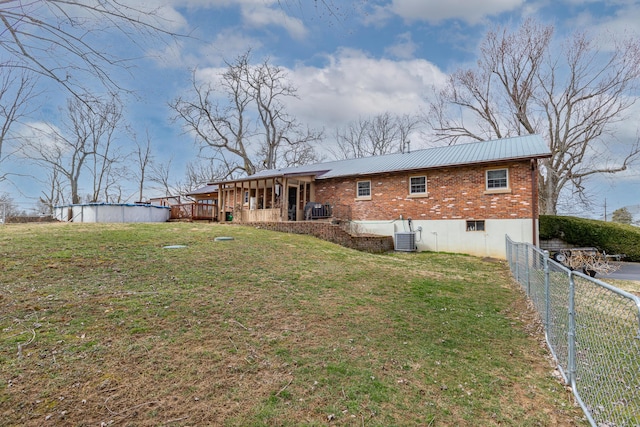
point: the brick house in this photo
(463, 198)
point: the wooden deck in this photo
(194, 211)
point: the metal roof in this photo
(209, 188)
(497, 150)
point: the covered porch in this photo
(203, 206)
(270, 199)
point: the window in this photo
(475, 225)
(364, 189)
(418, 185)
(497, 179)
(246, 197)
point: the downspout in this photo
(534, 201)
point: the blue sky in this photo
(354, 59)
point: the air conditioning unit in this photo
(405, 241)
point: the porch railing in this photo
(313, 210)
(195, 211)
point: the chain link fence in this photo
(592, 330)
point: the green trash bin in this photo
(229, 217)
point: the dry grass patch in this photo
(632, 286)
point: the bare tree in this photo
(301, 152)
(16, 101)
(42, 208)
(115, 187)
(196, 175)
(102, 119)
(201, 172)
(60, 39)
(83, 145)
(160, 174)
(382, 134)
(8, 208)
(352, 141)
(143, 159)
(574, 95)
(251, 124)
(55, 193)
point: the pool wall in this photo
(112, 212)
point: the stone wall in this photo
(332, 233)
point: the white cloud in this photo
(38, 134)
(228, 42)
(255, 13)
(227, 45)
(404, 48)
(259, 16)
(465, 10)
(377, 15)
(211, 75)
(353, 85)
(171, 19)
(623, 22)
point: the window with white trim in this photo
(475, 225)
(497, 179)
(364, 189)
(418, 185)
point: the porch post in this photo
(235, 197)
(304, 197)
(221, 202)
(273, 192)
(284, 200)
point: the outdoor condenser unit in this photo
(405, 241)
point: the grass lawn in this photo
(100, 324)
(632, 286)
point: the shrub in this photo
(612, 238)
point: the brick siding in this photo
(452, 193)
(332, 233)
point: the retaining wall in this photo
(332, 233)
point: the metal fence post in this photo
(547, 292)
(508, 249)
(571, 336)
(527, 270)
(516, 272)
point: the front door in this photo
(292, 203)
